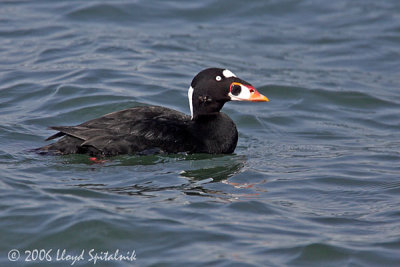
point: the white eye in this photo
(218, 78)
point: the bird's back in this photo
(128, 131)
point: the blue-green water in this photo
(314, 181)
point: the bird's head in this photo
(213, 87)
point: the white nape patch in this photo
(190, 96)
(228, 74)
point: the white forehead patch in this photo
(228, 74)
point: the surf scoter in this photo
(154, 129)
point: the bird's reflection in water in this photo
(200, 170)
(217, 168)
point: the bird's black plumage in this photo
(152, 129)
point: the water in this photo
(314, 180)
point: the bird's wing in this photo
(133, 130)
